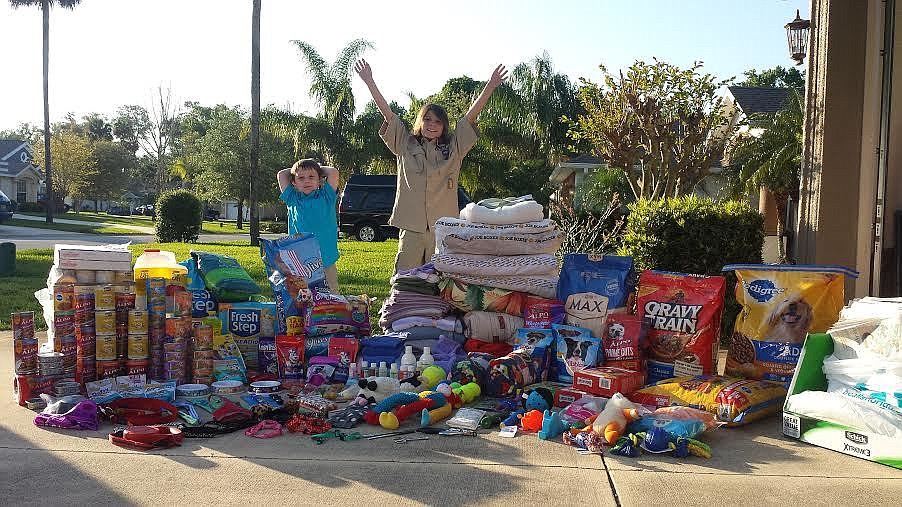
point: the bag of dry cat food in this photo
(683, 315)
(781, 304)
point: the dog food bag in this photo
(540, 345)
(294, 266)
(329, 313)
(576, 349)
(290, 357)
(683, 315)
(733, 401)
(591, 285)
(541, 313)
(780, 306)
(623, 341)
(224, 277)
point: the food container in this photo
(104, 298)
(137, 346)
(106, 347)
(85, 276)
(63, 297)
(104, 277)
(108, 369)
(105, 322)
(137, 321)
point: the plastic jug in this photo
(157, 264)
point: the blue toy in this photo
(552, 425)
(513, 419)
(539, 398)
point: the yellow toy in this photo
(612, 421)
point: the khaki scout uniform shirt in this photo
(427, 182)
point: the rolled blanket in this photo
(503, 244)
(517, 213)
(471, 297)
(492, 327)
(493, 265)
(545, 286)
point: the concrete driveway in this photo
(754, 465)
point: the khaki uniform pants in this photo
(414, 249)
(332, 278)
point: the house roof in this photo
(585, 163)
(585, 159)
(16, 157)
(760, 99)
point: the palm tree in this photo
(772, 160)
(45, 9)
(330, 86)
(255, 121)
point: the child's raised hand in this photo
(498, 77)
(363, 70)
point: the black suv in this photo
(366, 204)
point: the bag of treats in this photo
(540, 345)
(592, 285)
(541, 313)
(623, 341)
(290, 357)
(576, 349)
(683, 314)
(294, 266)
(780, 306)
(329, 313)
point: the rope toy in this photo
(307, 425)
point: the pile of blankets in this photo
(496, 255)
(416, 314)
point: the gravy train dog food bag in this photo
(780, 306)
(683, 315)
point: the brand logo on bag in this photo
(201, 303)
(858, 438)
(244, 323)
(672, 316)
(762, 290)
(856, 450)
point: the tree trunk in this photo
(780, 199)
(255, 121)
(96, 208)
(48, 171)
(240, 213)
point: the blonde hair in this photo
(438, 111)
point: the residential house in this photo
(569, 176)
(20, 178)
(850, 209)
(228, 210)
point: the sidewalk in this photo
(754, 465)
(137, 228)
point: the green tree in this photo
(661, 125)
(112, 162)
(330, 86)
(777, 77)
(771, 160)
(45, 23)
(75, 167)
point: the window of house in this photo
(21, 191)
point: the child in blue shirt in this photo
(308, 190)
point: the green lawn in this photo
(208, 227)
(364, 268)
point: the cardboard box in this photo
(567, 395)
(606, 381)
(809, 376)
(91, 253)
(95, 265)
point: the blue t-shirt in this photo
(314, 213)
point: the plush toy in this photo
(513, 419)
(552, 425)
(531, 421)
(539, 398)
(428, 417)
(375, 389)
(612, 421)
(431, 376)
(659, 440)
(468, 392)
(373, 415)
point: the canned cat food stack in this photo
(84, 304)
(104, 297)
(66, 388)
(203, 355)
(69, 349)
(155, 290)
(174, 366)
(50, 363)
(25, 345)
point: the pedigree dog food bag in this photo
(780, 306)
(683, 315)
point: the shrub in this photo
(695, 235)
(30, 207)
(588, 231)
(274, 227)
(179, 217)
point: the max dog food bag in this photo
(780, 306)
(683, 315)
(590, 286)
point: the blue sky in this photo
(108, 53)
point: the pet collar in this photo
(140, 411)
(146, 438)
(266, 428)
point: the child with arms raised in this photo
(308, 190)
(429, 163)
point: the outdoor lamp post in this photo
(797, 37)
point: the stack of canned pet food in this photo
(63, 325)
(179, 328)
(85, 334)
(137, 349)
(203, 354)
(25, 345)
(155, 289)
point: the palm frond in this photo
(341, 69)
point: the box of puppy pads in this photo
(846, 394)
